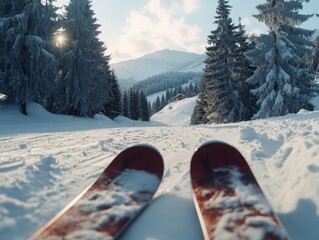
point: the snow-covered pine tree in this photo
(134, 108)
(199, 115)
(104, 83)
(163, 102)
(49, 26)
(150, 109)
(168, 95)
(25, 63)
(86, 74)
(315, 56)
(283, 80)
(243, 71)
(116, 94)
(157, 105)
(143, 107)
(113, 107)
(220, 97)
(126, 105)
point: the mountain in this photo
(135, 70)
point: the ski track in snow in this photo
(41, 172)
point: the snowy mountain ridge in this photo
(132, 71)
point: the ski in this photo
(108, 206)
(229, 202)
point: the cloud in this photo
(246, 21)
(157, 26)
(252, 26)
(190, 6)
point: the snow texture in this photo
(242, 205)
(98, 208)
(47, 160)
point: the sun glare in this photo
(60, 39)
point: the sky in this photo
(133, 28)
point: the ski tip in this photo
(216, 154)
(139, 157)
(214, 143)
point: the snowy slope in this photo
(46, 160)
(132, 71)
(176, 113)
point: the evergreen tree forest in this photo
(164, 81)
(54, 57)
(250, 78)
(171, 95)
(135, 105)
(168, 86)
(56, 60)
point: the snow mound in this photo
(10, 115)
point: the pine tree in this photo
(282, 79)
(167, 95)
(113, 107)
(163, 102)
(157, 105)
(125, 108)
(244, 71)
(143, 106)
(48, 28)
(25, 63)
(116, 92)
(153, 108)
(220, 97)
(150, 108)
(191, 89)
(85, 73)
(199, 115)
(315, 56)
(134, 107)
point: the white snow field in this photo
(47, 160)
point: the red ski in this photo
(228, 199)
(106, 208)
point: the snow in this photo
(2, 96)
(47, 160)
(176, 113)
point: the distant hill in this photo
(135, 70)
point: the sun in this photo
(60, 39)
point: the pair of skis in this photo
(228, 199)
